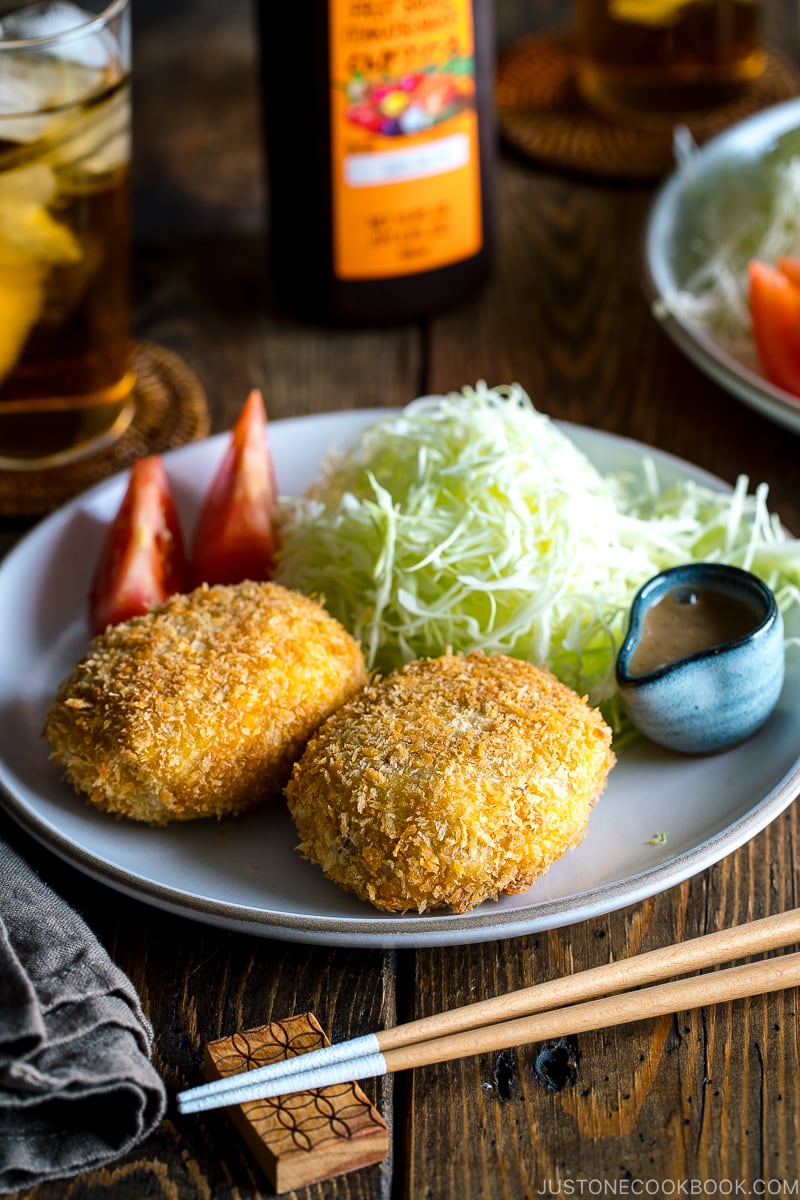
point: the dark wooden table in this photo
(709, 1096)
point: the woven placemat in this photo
(542, 114)
(170, 410)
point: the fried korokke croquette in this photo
(450, 782)
(200, 707)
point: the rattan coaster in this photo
(542, 114)
(170, 411)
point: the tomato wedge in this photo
(775, 314)
(142, 561)
(790, 267)
(235, 535)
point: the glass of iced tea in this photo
(667, 56)
(66, 378)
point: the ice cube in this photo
(97, 142)
(35, 91)
(22, 90)
(96, 48)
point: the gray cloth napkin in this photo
(77, 1088)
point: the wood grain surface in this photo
(709, 1096)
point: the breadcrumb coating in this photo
(200, 707)
(450, 782)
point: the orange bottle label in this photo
(404, 135)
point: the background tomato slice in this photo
(775, 313)
(235, 537)
(142, 561)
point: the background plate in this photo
(671, 245)
(243, 874)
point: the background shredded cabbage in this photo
(471, 521)
(741, 211)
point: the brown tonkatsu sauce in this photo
(688, 620)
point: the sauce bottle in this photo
(380, 151)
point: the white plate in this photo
(243, 874)
(671, 247)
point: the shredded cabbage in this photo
(471, 521)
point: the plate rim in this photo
(441, 929)
(399, 931)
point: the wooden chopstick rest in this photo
(304, 1137)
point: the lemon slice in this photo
(21, 302)
(31, 242)
(36, 236)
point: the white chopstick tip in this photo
(354, 1048)
(348, 1070)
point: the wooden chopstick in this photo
(716, 987)
(742, 941)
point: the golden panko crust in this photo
(200, 707)
(450, 782)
